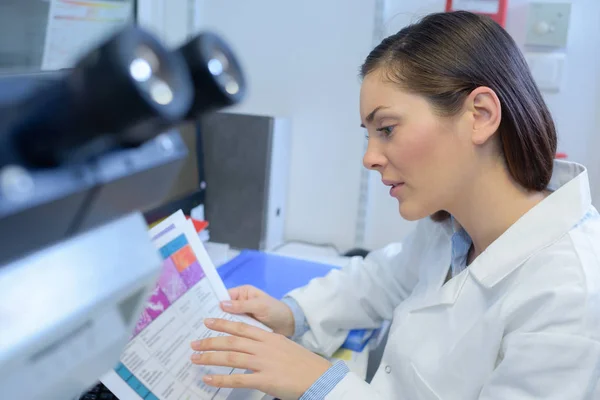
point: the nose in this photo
(374, 159)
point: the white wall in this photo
(576, 108)
(168, 19)
(302, 60)
(594, 148)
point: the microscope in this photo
(83, 152)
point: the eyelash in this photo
(386, 131)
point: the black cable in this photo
(82, 212)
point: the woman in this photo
(496, 295)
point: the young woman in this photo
(496, 294)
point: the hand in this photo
(281, 367)
(273, 313)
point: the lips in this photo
(395, 187)
(392, 183)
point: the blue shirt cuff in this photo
(300, 324)
(326, 382)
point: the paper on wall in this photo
(75, 26)
(477, 6)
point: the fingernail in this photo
(209, 322)
(196, 358)
(195, 344)
(208, 379)
(227, 304)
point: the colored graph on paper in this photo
(156, 362)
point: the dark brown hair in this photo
(445, 56)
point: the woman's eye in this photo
(386, 130)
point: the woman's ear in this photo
(486, 111)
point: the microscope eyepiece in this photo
(128, 82)
(122, 93)
(216, 73)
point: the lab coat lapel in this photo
(438, 293)
(443, 295)
(543, 225)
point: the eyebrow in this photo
(371, 115)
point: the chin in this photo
(411, 212)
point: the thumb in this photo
(253, 306)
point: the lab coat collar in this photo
(544, 224)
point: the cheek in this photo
(417, 150)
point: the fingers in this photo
(236, 328)
(246, 381)
(225, 359)
(254, 306)
(226, 343)
(235, 293)
(243, 292)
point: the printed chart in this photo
(156, 361)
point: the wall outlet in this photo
(547, 70)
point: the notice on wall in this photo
(76, 26)
(477, 6)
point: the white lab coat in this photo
(521, 322)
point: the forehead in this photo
(377, 91)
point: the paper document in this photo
(156, 362)
(477, 6)
(76, 26)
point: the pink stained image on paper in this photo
(157, 303)
(171, 282)
(142, 322)
(192, 274)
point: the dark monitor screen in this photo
(188, 190)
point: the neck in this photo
(493, 202)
